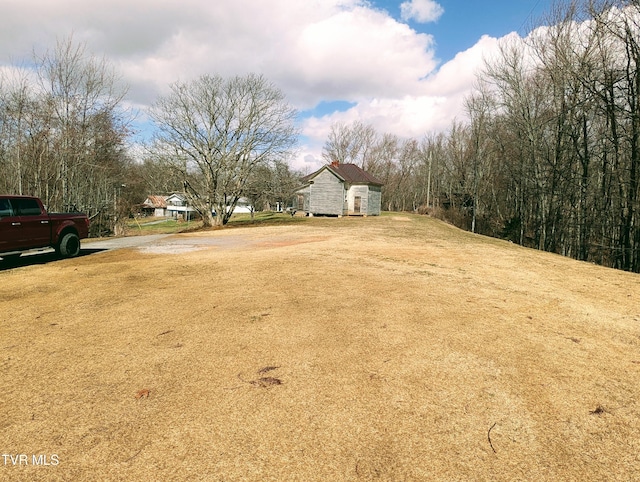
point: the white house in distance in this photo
(172, 206)
(176, 205)
(339, 190)
(242, 206)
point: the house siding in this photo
(326, 194)
(374, 200)
(302, 199)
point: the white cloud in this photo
(314, 50)
(436, 101)
(423, 11)
(360, 52)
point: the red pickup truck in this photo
(26, 225)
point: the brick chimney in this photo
(335, 163)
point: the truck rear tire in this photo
(69, 245)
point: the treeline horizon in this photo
(553, 137)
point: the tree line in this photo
(554, 141)
(62, 133)
(548, 155)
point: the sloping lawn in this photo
(390, 348)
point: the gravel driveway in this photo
(166, 243)
(124, 242)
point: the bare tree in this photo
(217, 132)
(62, 132)
(82, 94)
(15, 102)
(479, 107)
(430, 177)
(354, 144)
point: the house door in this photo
(357, 201)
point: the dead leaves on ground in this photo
(599, 410)
(262, 381)
(266, 381)
(144, 393)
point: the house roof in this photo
(156, 202)
(176, 195)
(347, 172)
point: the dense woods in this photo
(557, 163)
(547, 156)
(63, 134)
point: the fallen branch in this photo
(489, 437)
(136, 454)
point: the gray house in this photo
(340, 190)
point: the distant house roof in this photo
(155, 202)
(176, 195)
(347, 172)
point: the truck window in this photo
(5, 208)
(27, 207)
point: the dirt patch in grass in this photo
(281, 243)
(333, 349)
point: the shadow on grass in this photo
(264, 219)
(170, 226)
(40, 258)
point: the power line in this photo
(530, 14)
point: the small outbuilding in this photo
(339, 190)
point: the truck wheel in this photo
(69, 245)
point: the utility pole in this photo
(429, 181)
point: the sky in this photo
(402, 66)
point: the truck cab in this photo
(22, 224)
(26, 225)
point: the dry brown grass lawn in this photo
(396, 348)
